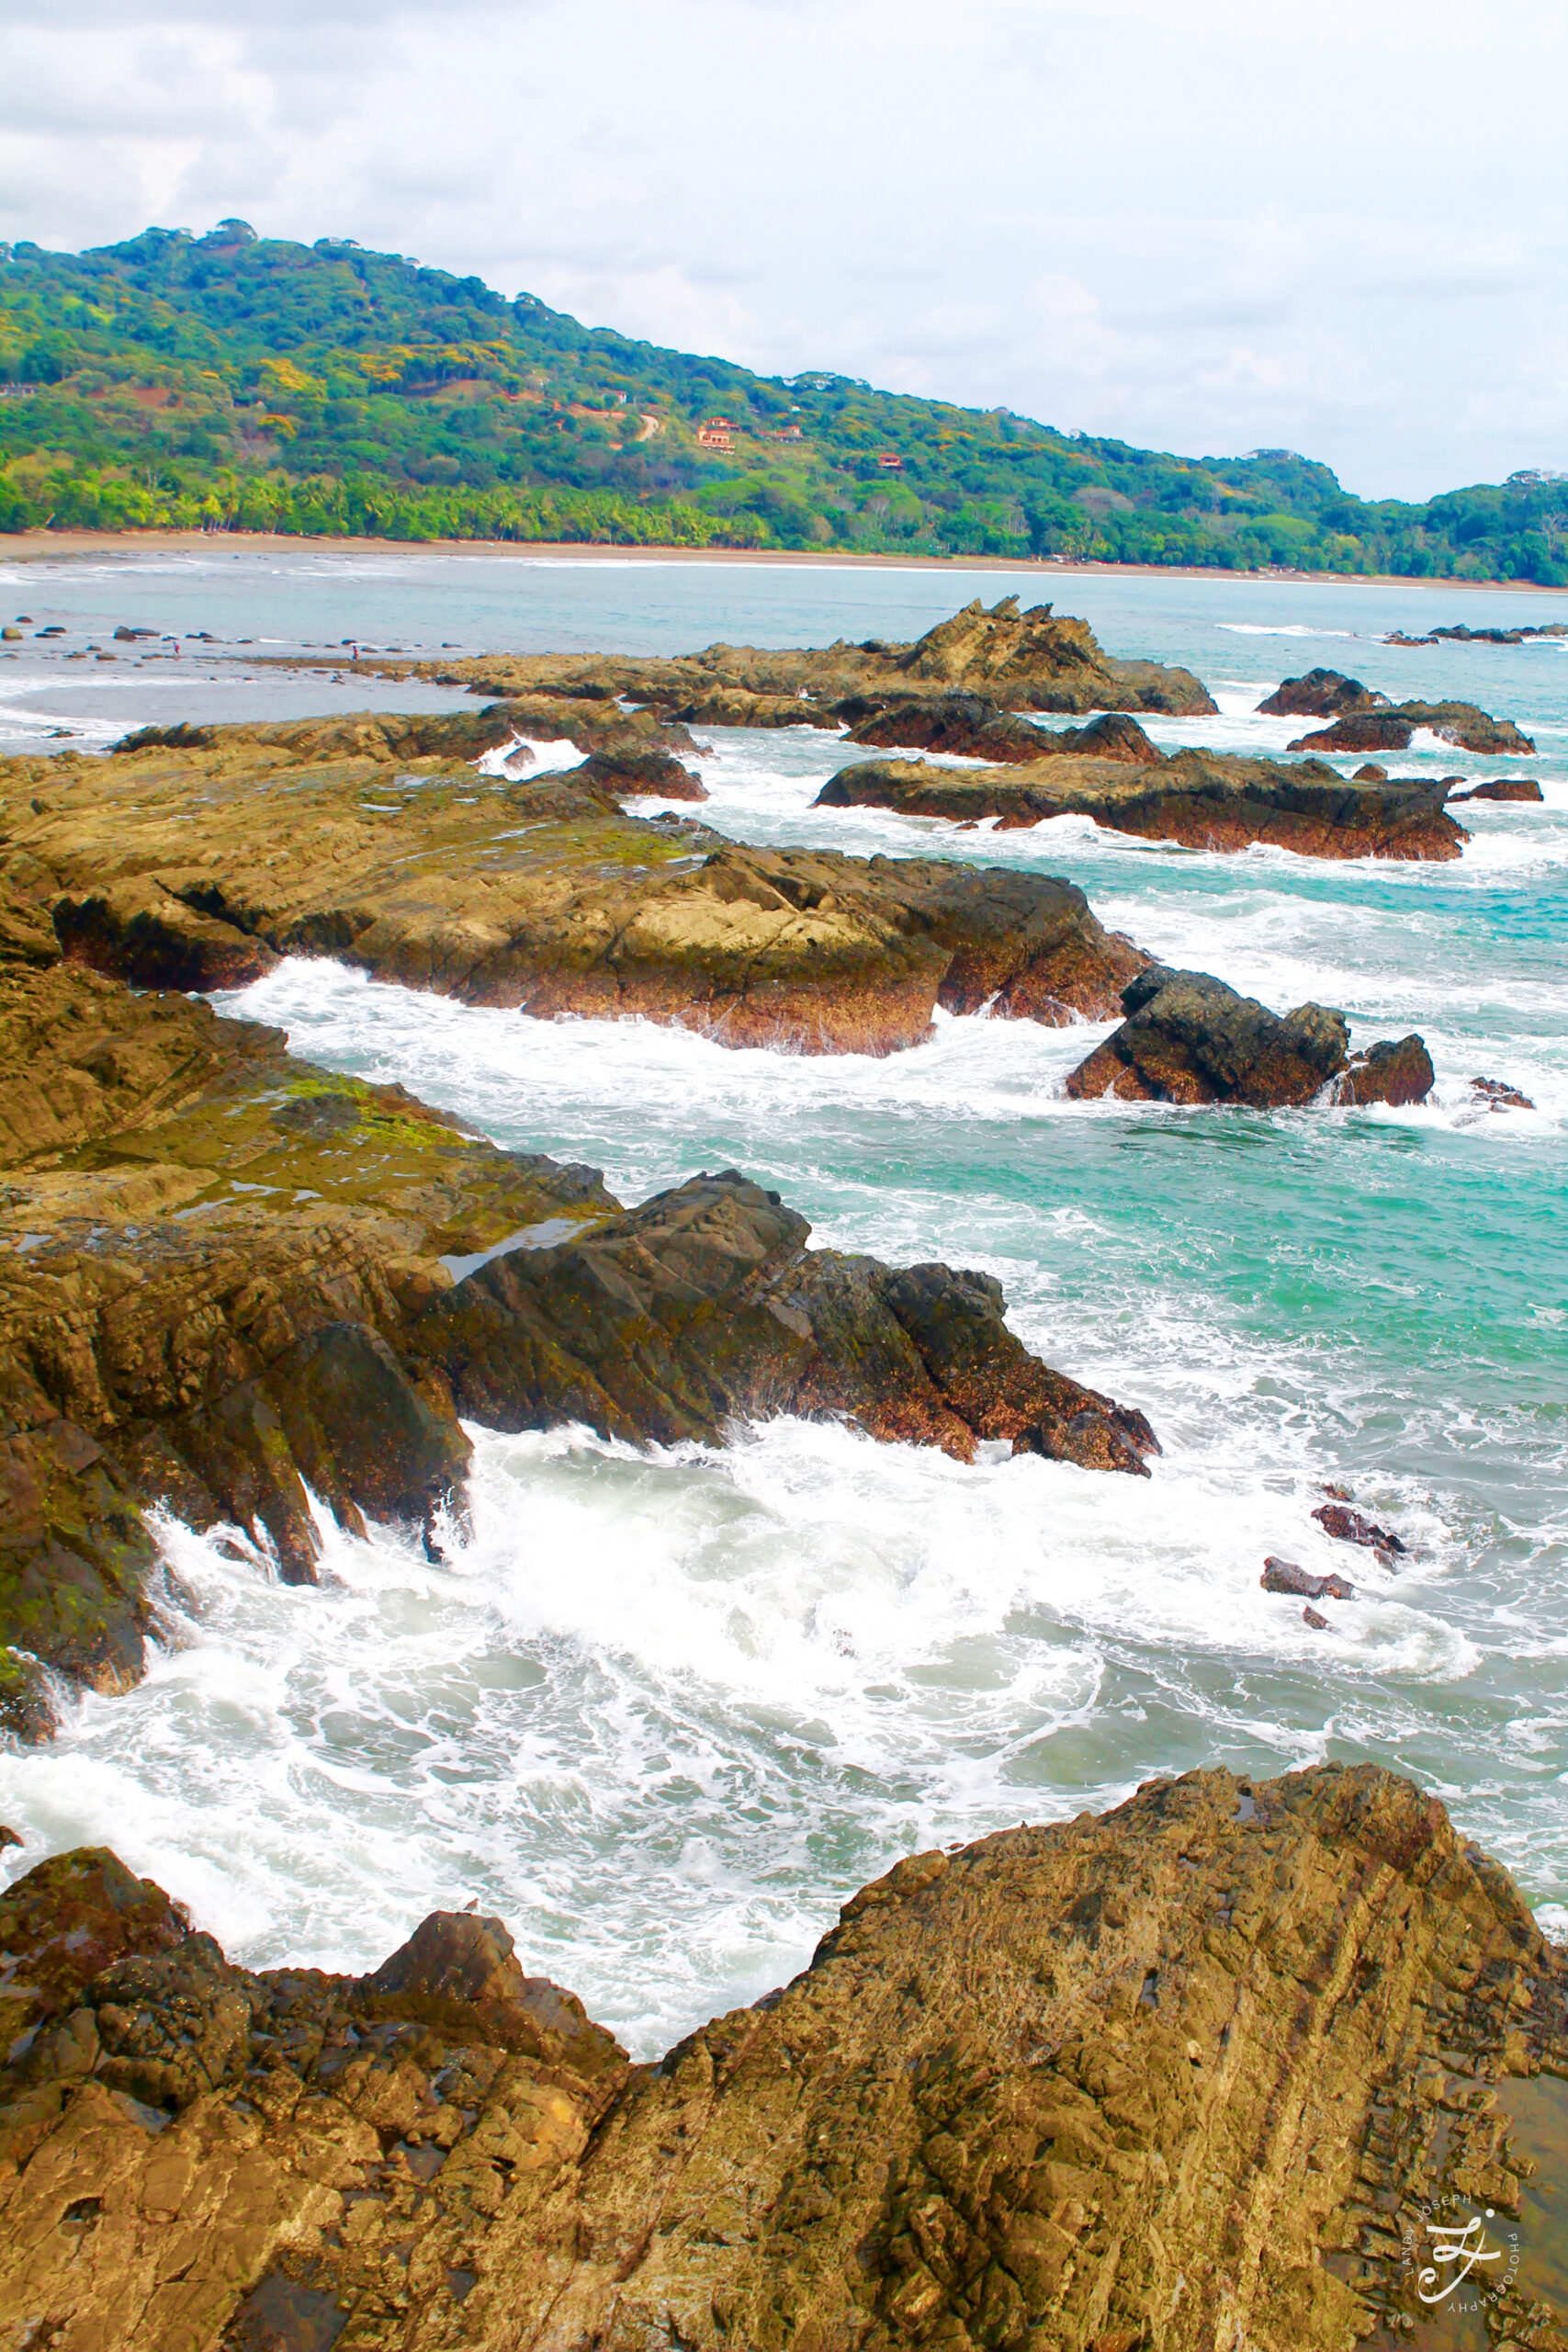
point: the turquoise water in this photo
(665, 1710)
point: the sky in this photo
(1203, 226)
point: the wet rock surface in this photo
(1284, 1576)
(1191, 1038)
(1389, 727)
(1200, 799)
(1396, 1070)
(197, 865)
(1198, 2066)
(1499, 1095)
(226, 1277)
(1502, 788)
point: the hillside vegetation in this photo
(230, 381)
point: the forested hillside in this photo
(233, 381)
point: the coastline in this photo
(33, 547)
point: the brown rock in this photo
(1283, 1575)
(1369, 773)
(969, 725)
(1499, 1095)
(1322, 694)
(1504, 787)
(1349, 1527)
(1395, 1071)
(1201, 799)
(196, 867)
(1319, 1624)
(1389, 729)
(976, 2118)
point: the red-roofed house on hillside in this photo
(890, 462)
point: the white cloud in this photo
(1205, 227)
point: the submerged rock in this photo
(974, 2120)
(1498, 1095)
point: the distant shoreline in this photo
(33, 547)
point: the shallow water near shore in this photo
(663, 1712)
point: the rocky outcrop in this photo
(1034, 660)
(199, 867)
(1321, 694)
(1284, 1576)
(1191, 1038)
(1502, 788)
(1463, 636)
(1196, 2071)
(1200, 799)
(1391, 727)
(1498, 1095)
(969, 726)
(226, 1277)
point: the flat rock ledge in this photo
(1191, 1038)
(198, 857)
(227, 1275)
(1200, 2071)
(1197, 799)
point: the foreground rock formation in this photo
(1199, 2072)
(196, 859)
(1191, 1038)
(1020, 660)
(226, 1275)
(1201, 799)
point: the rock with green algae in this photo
(1195, 2071)
(226, 1278)
(199, 865)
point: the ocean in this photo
(666, 1709)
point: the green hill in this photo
(231, 380)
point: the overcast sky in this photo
(1199, 224)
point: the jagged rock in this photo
(461, 1972)
(70, 1917)
(1189, 1039)
(1349, 1527)
(975, 2119)
(1390, 728)
(1319, 1624)
(1499, 1095)
(1322, 694)
(1202, 799)
(1023, 660)
(330, 1311)
(1504, 787)
(704, 1303)
(200, 868)
(1283, 1575)
(1395, 1071)
(1369, 773)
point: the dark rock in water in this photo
(8, 1838)
(1369, 773)
(1321, 694)
(705, 1306)
(1349, 1527)
(1502, 788)
(1389, 727)
(978, 729)
(652, 771)
(1191, 1038)
(1283, 1575)
(1500, 1096)
(1395, 1071)
(1319, 1624)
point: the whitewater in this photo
(664, 1710)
